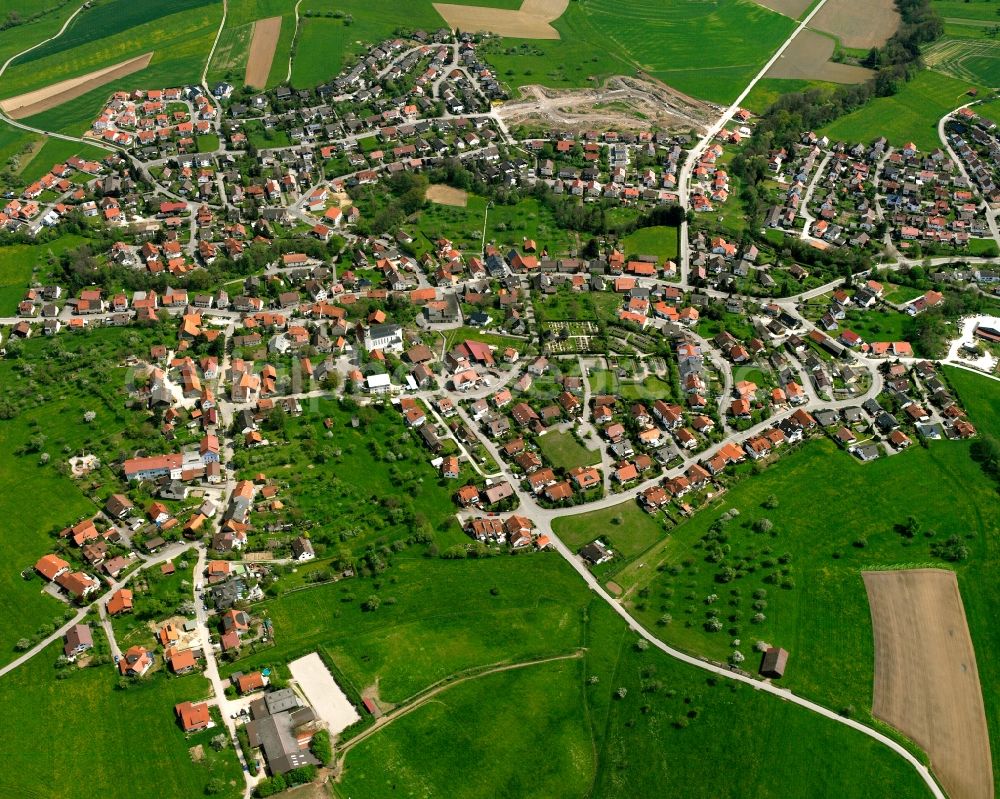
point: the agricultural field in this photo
(910, 115)
(642, 725)
(565, 452)
(803, 565)
(600, 38)
(263, 44)
(981, 10)
(179, 35)
(768, 90)
(963, 55)
(130, 736)
(230, 57)
(18, 37)
(659, 241)
(926, 680)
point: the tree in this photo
(771, 502)
(764, 525)
(371, 604)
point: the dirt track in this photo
(926, 680)
(31, 103)
(808, 57)
(262, 46)
(622, 103)
(447, 195)
(531, 21)
(860, 24)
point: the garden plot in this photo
(447, 195)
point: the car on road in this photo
(117, 658)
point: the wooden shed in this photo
(773, 663)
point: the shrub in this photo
(321, 747)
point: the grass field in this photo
(17, 262)
(768, 90)
(55, 151)
(208, 144)
(910, 115)
(878, 325)
(901, 294)
(600, 38)
(18, 144)
(444, 619)
(654, 740)
(242, 13)
(565, 452)
(626, 528)
(659, 241)
(980, 397)
(104, 742)
(551, 695)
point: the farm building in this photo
(773, 663)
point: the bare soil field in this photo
(262, 46)
(26, 105)
(326, 697)
(808, 57)
(623, 103)
(860, 24)
(531, 21)
(926, 680)
(790, 8)
(447, 195)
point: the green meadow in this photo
(565, 452)
(437, 617)
(910, 115)
(100, 741)
(618, 722)
(48, 388)
(659, 241)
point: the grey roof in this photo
(277, 738)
